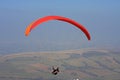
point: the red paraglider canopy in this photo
(48, 18)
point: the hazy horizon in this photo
(101, 18)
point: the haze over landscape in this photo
(101, 18)
(58, 43)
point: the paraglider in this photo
(55, 71)
(39, 21)
(35, 23)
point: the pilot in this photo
(55, 71)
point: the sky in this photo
(100, 17)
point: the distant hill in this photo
(83, 64)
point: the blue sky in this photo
(100, 17)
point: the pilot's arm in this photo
(53, 68)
